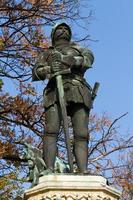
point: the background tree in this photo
(22, 35)
(124, 175)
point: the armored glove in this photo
(55, 61)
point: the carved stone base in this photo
(72, 187)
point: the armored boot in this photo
(50, 149)
(81, 154)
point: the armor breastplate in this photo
(68, 50)
(75, 87)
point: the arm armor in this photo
(41, 68)
(84, 59)
(79, 58)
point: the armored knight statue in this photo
(75, 60)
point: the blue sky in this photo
(112, 27)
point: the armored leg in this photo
(52, 117)
(80, 118)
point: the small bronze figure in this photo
(71, 61)
(37, 166)
(35, 161)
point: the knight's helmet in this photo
(56, 27)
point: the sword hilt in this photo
(95, 90)
(61, 72)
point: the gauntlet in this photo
(54, 61)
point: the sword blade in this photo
(64, 118)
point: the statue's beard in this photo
(62, 36)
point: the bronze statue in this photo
(36, 164)
(65, 63)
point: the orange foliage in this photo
(2, 43)
(42, 2)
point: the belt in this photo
(78, 78)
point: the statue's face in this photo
(62, 32)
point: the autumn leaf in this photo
(1, 84)
(2, 44)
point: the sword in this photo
(94, 92)
(62, 103)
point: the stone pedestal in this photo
(72, 187)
